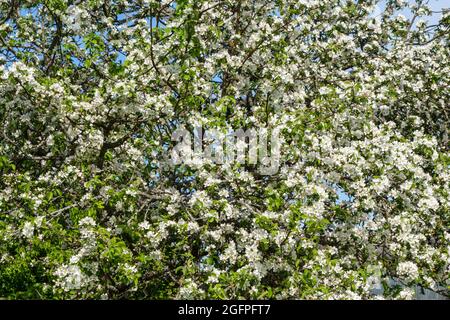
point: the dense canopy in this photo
(92, 91)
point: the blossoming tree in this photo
(91, 92)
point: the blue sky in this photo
(436, 5)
